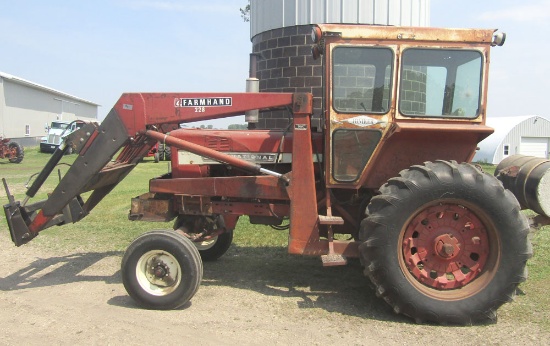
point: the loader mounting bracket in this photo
(15, 215)
(20, 216)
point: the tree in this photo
(237, 127)
(245, 12)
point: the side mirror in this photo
(498, 39)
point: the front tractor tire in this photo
(445, 243)
(161, 270)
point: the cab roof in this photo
(425, 34)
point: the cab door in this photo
(360, 88)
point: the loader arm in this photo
(130, 129)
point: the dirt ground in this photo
(78, 298)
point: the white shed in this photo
(26, 108)
(525, 135)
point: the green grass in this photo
(487, 168)
(533, 304)
(258, 253)
(107, 228)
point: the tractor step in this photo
(330, 220)
(331, 260)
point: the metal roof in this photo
(22, 81)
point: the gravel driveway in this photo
(78, 298)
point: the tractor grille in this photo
(218, 143)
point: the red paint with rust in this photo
(238, 141)
(139, 110)
(445, 246)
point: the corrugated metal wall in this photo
(23, 107)
(272, 14)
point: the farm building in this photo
(526, 135)
(26, 108)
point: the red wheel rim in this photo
(445, 246)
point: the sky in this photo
(99, 49)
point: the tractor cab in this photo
(395, 86)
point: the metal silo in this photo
(279, 30)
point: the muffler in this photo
(528, 178)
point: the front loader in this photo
(403, 111)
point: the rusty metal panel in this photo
(250, 208)
(194, 205)
(444, 138)
(415, 34)
(148, 208)
(432, 141)
(304, 230)
(245, 187)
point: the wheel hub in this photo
(160, 270)
(445, 246)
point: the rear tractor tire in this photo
(16, 152)
(165, 152)
(161, 270)
(445, 243)
(210, 249)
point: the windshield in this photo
(440, 83)
(362, 79)
(59, 126)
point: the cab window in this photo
(351, 150)
(440, 83)
(361, 79)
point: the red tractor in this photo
(12, 151)
(403, 112)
